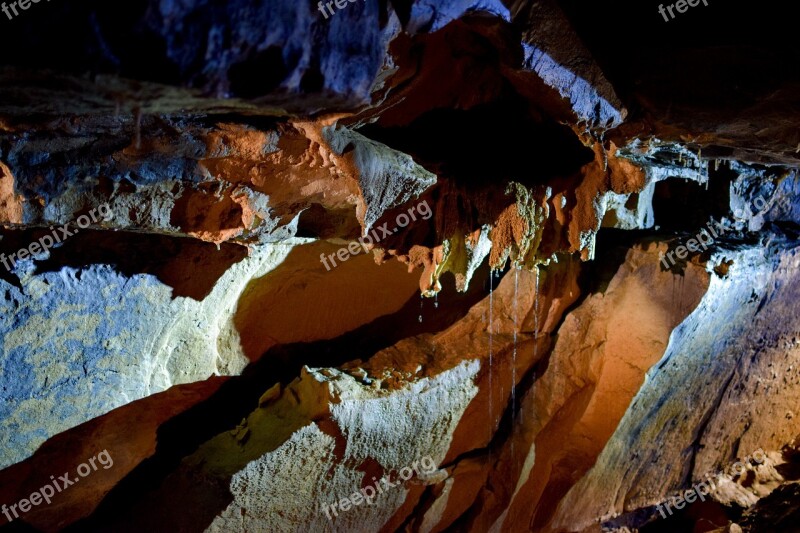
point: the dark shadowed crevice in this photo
(259, 74)
(191, 267)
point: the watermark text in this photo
(46, 493)
(354, 248)
(58, 236)
(367, 494)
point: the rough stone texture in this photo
(416, 399)
(217, 183)
(387, 178)
(558, 56)
(735, 356)
(111, 339)
(595, 368)
(776, 489)
(214, 49)
(64, 452)
(432, 15)
(329, 427)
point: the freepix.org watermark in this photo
(59, 235)
(704, 488)
(356, 247)
(368, 493)
(23, 5)
(705, 238)
(324, 7)
(681, 6)
(46, 493)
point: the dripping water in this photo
(514, 363)
(536, 311)
(421, 305)
(514, 353)
(491, 356)
(436, 301)
(535, 322)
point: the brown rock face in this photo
(595, 369)
(70, 449)
(398, 266)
